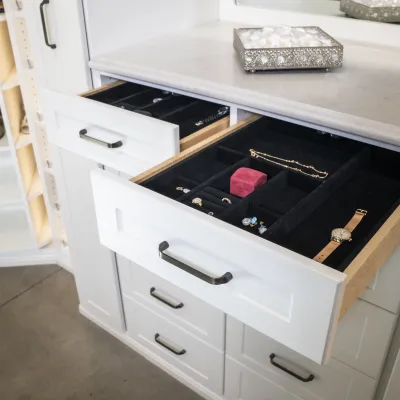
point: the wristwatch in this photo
(340, 235)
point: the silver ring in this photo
(226, 200)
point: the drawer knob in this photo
(44, 26)
(164, 344)
(288, 371)
(83, 134)
(154, 294)
(225, 278)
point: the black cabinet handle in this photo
(163, 300)
(83, 134)
(158, 339)
(206, 278)
(288, 371)
(44, 26)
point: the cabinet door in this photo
(58, 39)
(94, 266)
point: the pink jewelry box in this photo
(246, 180)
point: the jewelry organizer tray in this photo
(299, 211)
(190, 114)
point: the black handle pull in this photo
(163, 300)
(288, 371)
(44, 26)
(83, 134)
(227, 277)
(158, 339)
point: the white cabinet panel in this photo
(383, 290)
(93, 264)
(363, 338)
(61, 63)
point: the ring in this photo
(211, 213)
(226, 200)
(198, 202)
(182, 189)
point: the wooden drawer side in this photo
(369, 261)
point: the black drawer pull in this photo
(281, 367)
(163, 300)
(83, 134)
(158, 339)
(44, 26)
(206, 278)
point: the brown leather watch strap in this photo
(333, 245)
(357, 218)
(326, 251)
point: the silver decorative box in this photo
(275, 48)
(373, 10)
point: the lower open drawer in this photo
(269, 280)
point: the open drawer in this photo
(266, 280)
(130, 127)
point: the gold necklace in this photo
(270, 158)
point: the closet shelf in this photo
(22, 141)
(11, 81)
(45, 236)
(35, 189)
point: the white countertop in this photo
(362, 98)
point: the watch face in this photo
(341, 235)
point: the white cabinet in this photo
(289, 298)
(58, 37)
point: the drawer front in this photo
(383, 290)
(175, 304)
(337, 383)
(140, 142)
(363, 338)
(270, 291)
(180, 349)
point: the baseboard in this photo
(29, 258)
(159, 362)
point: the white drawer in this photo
(183, 351)
(286, 296)
(118, 138)
(362, 341)
(175, 304)
(333, 382)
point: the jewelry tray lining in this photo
(299, 211)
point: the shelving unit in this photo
(31, 229)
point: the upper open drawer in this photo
(130, 127)
(266, 279)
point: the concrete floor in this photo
(48, 351)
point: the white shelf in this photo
(11, 81)
(10, 194)
(14, 231)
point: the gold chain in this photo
(270, 158)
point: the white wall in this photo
(118, 23)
